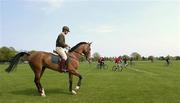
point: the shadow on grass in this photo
(34, 92)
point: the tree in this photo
(96, 56)
(177, 57)
(136, 56)
(7, 53)
(143, 58)
(161, 58)
(125, 56)
(151, 58)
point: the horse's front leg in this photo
(79, 82)
(74, 72)
(70, 83)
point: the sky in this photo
(115, 27)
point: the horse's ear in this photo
(90, 43)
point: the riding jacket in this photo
(60, 42)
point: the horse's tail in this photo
(14, 61)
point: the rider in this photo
(61, 47)
(167, 60)
(125, 60)
(101, 61)
(118, 60)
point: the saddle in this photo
(57, 59)
(55, 52)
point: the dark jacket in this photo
(60, 42)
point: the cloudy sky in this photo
(116, 27)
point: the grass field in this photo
(143, 83)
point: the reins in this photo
(79, 53)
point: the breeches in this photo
(61, 52)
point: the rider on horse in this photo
(61, 47)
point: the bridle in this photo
(82, 54)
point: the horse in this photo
(40, 60)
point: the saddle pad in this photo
(55, 59)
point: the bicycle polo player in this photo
(118, 60)
(61, 47)
(101, 61)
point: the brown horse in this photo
(39, 61)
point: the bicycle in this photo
(118, 67)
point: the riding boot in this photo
(63, 65)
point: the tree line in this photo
(135, 56)
(6, 54)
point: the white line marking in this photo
(143, 71)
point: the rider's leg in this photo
(62, 53)
(100, 65)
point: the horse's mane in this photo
(76, 46)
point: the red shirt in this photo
(117, 60)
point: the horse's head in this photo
(87, 51)
(83, 48)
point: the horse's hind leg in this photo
(38, 84)
(43, 69)
(38, 71)
(42, 92)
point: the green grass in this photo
(143, 83)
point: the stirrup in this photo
(64, 70)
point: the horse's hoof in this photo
(73, 92)
(77, 88)
(43, 95)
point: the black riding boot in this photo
(62, 65)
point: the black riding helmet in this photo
(65, 28)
